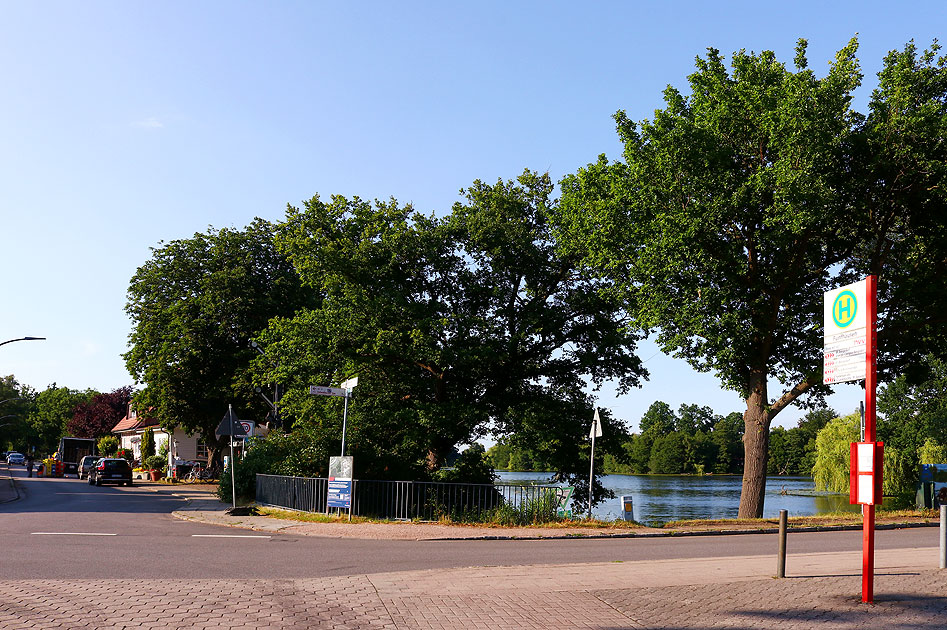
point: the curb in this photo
(181, 514)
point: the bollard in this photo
(943, 536)
(781, 560)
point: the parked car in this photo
(111, 470)
(15, 458)
(86, 464)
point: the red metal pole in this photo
(868, 511)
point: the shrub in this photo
(147, 444)
(108, 446)
(155, 462)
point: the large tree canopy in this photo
(194, 306)
(741, 202)
(456, 327)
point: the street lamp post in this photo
(3, 343)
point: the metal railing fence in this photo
(409, 500)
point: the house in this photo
(184, 447)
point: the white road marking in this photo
(225, 536)
(70, 534)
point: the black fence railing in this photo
(422, 500)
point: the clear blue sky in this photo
(123, 124)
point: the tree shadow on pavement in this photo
(901, 600)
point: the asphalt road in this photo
(67, 529)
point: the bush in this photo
(147, 444)
(155, 462)
(108, 446)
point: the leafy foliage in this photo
(194, 307)
(740, 203)
(108, 446)
(833, 453)
(51, 412)
(147, 444)
(455, 327)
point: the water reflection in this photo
(670, 497)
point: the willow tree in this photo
(741, 202)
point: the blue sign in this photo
(340, 494)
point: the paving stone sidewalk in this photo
(903, 600)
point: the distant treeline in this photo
(693, 440)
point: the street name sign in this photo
(318, 390)
(845, 344)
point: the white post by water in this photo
(591, 469)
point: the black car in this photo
(86, 464)
(111, 470)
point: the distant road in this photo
(67, 529)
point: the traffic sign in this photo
(845, 343)
(318, 390)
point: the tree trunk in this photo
(756, 420)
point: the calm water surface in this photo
(664, 498)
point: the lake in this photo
(663, 498)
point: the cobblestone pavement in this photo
(484, 597)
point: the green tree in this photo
(52, 411)
(932, 452)
(808, 428)
(455, 326)
(473, 466)
(700, 453)
(147, 443)
(833, 453)
(778, 462)
(743, 201)
(912, 413)
(194, 306)
(659, 419)
(693, 418)
(19, 402)
(668, 454)
(727, 434)
(640, 452)
(499, 455)
(108, 446)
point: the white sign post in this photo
(594, 432)
(345, 391)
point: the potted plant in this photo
(155, 466)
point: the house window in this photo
(201, 450)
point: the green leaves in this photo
(194, 306)
(741, 202)
(456, 326)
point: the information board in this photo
(845, 344)
(340, 482)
